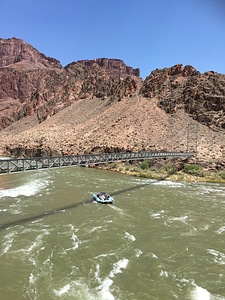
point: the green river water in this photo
(159, 240)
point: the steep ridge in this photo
(33, 83)
(200, 95)
(102, 105)
(17, 53)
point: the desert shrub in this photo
(170, 168)
(145, 164)
(222, 175)
(113, 165)
(146, 175)
(193, 169)
(143, 175)
(134, 169)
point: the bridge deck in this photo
(37, 163)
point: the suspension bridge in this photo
(37, 163)
(12, 165)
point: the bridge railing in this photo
(36, 163)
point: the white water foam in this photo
(75, 243)
(105, 293)
(130, 236)
(120, 211)
(199, 293)
(62, 291)
(157, 215)
(105, 255)
(219, 257)
(28, 189)
(121, 264)
(79, 290)
(212, 193)
(171, 221)
(7, 244)
(169, 183)
(164, 273)
(221, 229)
(96, 228)
(181, 218)
(138, 252)
(154, 255)
(30, 252)
(31, 278)
(105, 284)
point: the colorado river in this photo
(159, 240)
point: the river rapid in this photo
(160, 240)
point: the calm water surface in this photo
(159, 240)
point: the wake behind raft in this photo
(103, 198)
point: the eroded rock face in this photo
(23, 72)
(183, 87)
(16, 51)
(114, 67)
(33, 83)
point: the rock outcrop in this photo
(182, 87)
(17, 53)
(114, 67)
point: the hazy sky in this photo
(145, 34)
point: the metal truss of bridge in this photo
(37, 163)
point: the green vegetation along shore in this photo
(175, 171)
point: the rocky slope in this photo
(200, 95)
(103, 105)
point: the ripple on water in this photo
(221, 229)
(219, 257)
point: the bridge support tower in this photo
(192, 138)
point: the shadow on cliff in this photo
(62, 209)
